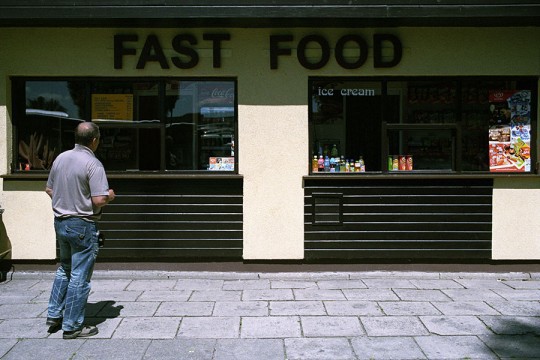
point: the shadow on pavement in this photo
(97, 313)
(516, 338)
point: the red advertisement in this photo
(510, 131)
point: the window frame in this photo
(18, 106)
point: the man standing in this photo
(78, 188)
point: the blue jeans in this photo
(78, 244)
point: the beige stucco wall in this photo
(272, 117)
(516, 219)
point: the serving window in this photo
(422, 125)
(158, 125)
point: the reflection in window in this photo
(52, 111)
(200, 125)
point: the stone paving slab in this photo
(249, 349)
(185, 309)
(513, 325)
(313, 294)
(163, 295)
(389, 284)
(189, 349)
(124, 349)
(210, 327)
(272, 294)
(387, 348)
(39, 349)
(518, 295)
(6, 345)
(296, 284)
(148, 285)
(297, 308)
(513, 346)
(370, 294)
(482, 283)
(517, 308)
(271, 327)
(408, 308)
(359, 308)
(393, 326)
(147, 328)
(424, 295)
(428, 284)
(341, 284)
(523, 284)
(465, 308)
(319, 349)
(241, 308)
(454, 347)
(331, 326)
(246, 284)
(454, 325)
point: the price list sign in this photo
(112, 107)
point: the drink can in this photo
(395, 163)
(409, 162)
(402, 162)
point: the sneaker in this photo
(53, 321)
(86, 331)
(54, 324)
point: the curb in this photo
(311, 276)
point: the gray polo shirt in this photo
(77, 175)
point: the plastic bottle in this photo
(362, 164)
(326, 164)
(320, 164)
(342, 164)
(314, 164)
(334, 152)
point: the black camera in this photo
(101, 239)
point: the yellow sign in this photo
(112, 106)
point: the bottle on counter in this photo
(332, 164)
(342, 164)
(334, 152)
(320, 164)
(326, 164)
(362, 164)
(314, 164)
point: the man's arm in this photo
(102, 200)
(49, 191)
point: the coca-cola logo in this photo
(223, 93)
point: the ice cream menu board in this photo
(510, 131)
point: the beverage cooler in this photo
(216, 138)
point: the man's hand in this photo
(112, 195)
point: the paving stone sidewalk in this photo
(308, 316)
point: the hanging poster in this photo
(510, 131)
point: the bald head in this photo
(86, 132)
